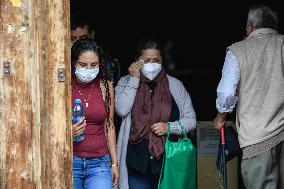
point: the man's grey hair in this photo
(262, 16)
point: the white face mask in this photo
(86, 75)
(151, 70)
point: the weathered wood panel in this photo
(57, 96)
(35, 133)
(16, 126)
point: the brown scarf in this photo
(148, 110)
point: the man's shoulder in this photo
(252, 40)
(237, 44)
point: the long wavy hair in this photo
(84, 45)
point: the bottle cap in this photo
(77, 101)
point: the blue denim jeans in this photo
(143, 181)
(92, 173)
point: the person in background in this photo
(146, 100)
(253, 81)
(95, 163)
(81, 28)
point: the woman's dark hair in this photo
(88, 44)
(148, 43)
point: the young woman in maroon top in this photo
(94, 158)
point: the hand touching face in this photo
(134, 68)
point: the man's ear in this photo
(249, 28)
(93, 34)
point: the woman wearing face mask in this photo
(94, 158)
(147, 99)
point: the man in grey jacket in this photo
(253, 80)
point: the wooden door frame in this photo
(35, 113)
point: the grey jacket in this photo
(125, 93)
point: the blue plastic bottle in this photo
(78, 113)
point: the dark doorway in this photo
(199, 30)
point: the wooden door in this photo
(35, 132)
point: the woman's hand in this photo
(134, 68)
(79, 127)
(115, 174)
(160, 128)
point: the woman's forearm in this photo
(112, 145)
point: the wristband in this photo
(114, 165)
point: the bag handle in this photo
(169, 130)
(182, 128)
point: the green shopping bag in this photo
(179, 164)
